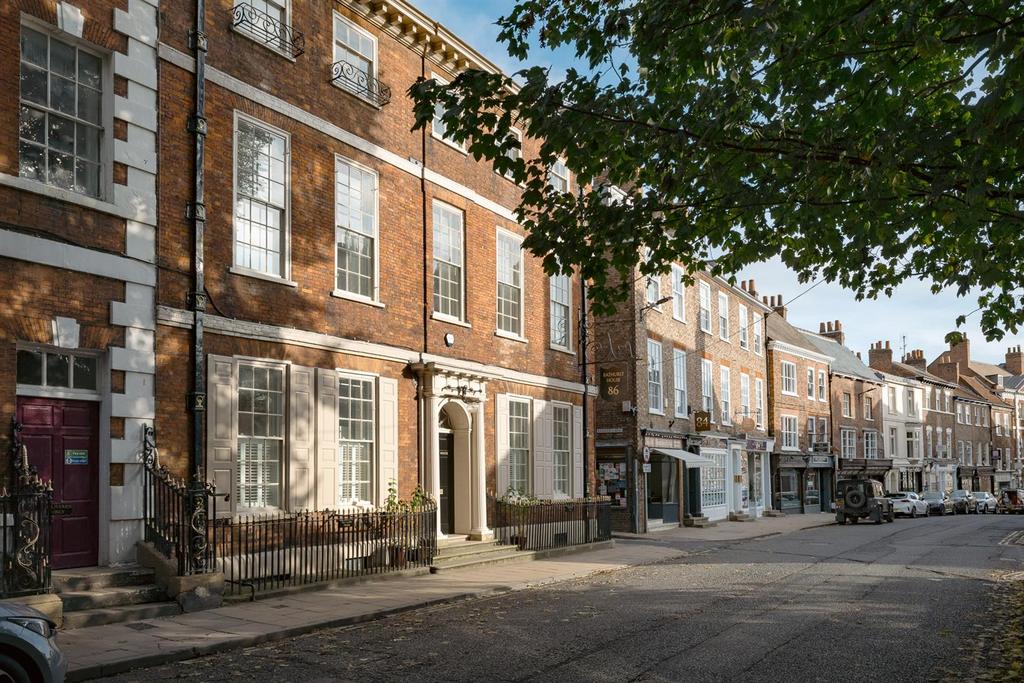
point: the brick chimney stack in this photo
(880, 356)
(960, 353)
(833, 330)
(777, 306)
(1015, 361)
(946, 368)
(915, 359)
(749, 287)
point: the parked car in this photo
(939, 502)
(28, 646)
(1011, 501)
(907, 503)
(963, 502)
(858, 499)
(986, 502)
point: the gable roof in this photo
(845, 361)
(779, 330)
(987, 369)
(904, 370)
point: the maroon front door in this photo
(63, 445)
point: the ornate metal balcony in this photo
(359, 82)
(266, 28)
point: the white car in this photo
(908, 503)
(986, 502)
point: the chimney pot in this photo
(887, 344)
(821, 327)
(858, 355)
(743, 285)
(829, 326)
(753, 289)
(764, 300)
(839, 326)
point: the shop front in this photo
(758, 479)
(616, 479)
(863, 468)
(976, 478)
(803, 483)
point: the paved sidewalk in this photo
(106, 650)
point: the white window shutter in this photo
(543, 450)
(301, 432)
(221, 441)
(501, 457)
(326, 439)
(387, 437)
(577, 451)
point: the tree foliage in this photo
(866, 142)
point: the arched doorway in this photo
(454, 451)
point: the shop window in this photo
(712, 481)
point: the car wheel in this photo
(12, 672)
(840, 518)
(913, 512)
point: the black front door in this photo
(445, 447)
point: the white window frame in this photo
(371, 58)
(553, 286)
(678, 294)
(822, 386)
(759, 402)
(556, 492)
(652, 285)
(516, 334)
(375, 274)
(894, 402)
(567, 178)
(745, 394)
(744, 323)
(848, 443)
(372, 487)
(788, 379)
(282, 483)
(679, 381)
(527, 488)
(106, 126)
(847, 404)
(893, 442)
(655, 378)
(789, 431)
(435, 123)
(810, 383)
(286, 223)
(725, 393)
(812, 431)
(911, 401)
(286, 7)
(705, 307)
(461, 317)
(513, 153)
(723, 317)
(758, 339)
(869, 411)
(870, 444)
(707, 387)
(46, 390)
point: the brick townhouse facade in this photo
(372, 319)
(670, 351)
(939, 460)
(370, 316)
(800, 417)
(856, 399)
(78, 218)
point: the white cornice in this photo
(776, 345)
(175, 317)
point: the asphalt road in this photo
(909, 601)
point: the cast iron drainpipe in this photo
(196, 211)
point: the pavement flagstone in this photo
(105, 650)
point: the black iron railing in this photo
(269, 30)
(25, 539)
(356, 80)
(175, 516)
(533, 525)
(263, 552)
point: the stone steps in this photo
(462, 554)
(94, 596)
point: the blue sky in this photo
(913, 311)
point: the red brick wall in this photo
(28, 313)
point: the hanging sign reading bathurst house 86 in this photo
(611, 383)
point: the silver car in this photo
(28, 646)
(986, 502)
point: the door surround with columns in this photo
(463, 397)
